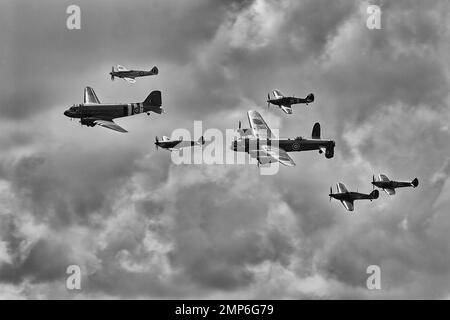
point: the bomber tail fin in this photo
(316, 131)
(153, 102)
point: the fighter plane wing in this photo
(341, 188)
(90, 96)
(259, 127)
(277, 94)
(348, 205)
(130, 80)
(287, 109)
(390, 192)
(110, 125)
(279, 155)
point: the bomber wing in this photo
(278, 154)
(110, 125)
(259, 127)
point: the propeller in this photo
(331, 192)
(373, 181)
(156, 143)
(240, 124)
(112, 74)
(268, 100)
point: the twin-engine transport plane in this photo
(177, 145)
(285, 103)
(130, 75)
(347, 198)
(92, 112)
(389, 186)
(261, 144)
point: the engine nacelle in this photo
(87, 122)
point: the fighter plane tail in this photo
(310, 98)
(415, 183)
(154, 70)
(375, 194)
(316, 131)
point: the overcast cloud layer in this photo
(141, 227)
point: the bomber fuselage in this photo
(289, 145)
(106, 111)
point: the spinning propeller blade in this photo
(156, 143)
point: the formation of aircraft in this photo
(389, 186)
(260, 143)
(258, 140)
(130, 75)
(285, 103)
(92, 112)
(176, 145)
(347, 198)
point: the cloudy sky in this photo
(141, 227)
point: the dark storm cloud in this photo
(61, 189)
(46, 261)
(44, 60)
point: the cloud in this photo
(141, 227)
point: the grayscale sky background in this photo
(141, 227)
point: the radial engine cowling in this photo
(87, 122)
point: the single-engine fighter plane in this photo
(347, 198)
(92, 112)
(177, 145)
(389, 186)
(285, 103)
(130, 75)
(261, 144)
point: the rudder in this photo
(153, 99)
